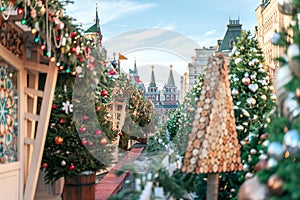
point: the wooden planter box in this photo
(80, 187)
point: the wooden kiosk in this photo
(23, 124)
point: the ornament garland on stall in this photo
(53, 32)
(280, 174)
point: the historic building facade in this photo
(269, 20)
(199, 62)
(165, 100)
(234, 30)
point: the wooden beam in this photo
(41, 133)
(34, 66)
(32, 117)
(33, 92)
(10, 58)
(29, 141)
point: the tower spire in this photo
(171, 82)
(97, 23)
(152, 79)
(135, 67)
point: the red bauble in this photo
(62, 121)
(58, 140)
(73, 50)
(84, 117)
(90, 144)
(98, 132)
(45, 165)
(120, 133)
(73, 34)
(83, 142)
(72, 167)
(98, 108)
(54, 106)
(104, 93)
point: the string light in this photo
(23, 21)
(37, 37)
(33, 30)
(20, 11)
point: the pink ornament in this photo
(83, 142)
(90, 144)
(77, 50)
(98, 132)
(82, 129)
(61, 25)
(33, 13)
(84, 117)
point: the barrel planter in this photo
(80, 187)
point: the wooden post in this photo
(212, 186)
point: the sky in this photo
(162, 32)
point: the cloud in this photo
(161, 25)
(109, 10)
(211, 32)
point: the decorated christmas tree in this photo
(251, 90)
(280, 174)
(80, 133)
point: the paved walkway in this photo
(111, 183)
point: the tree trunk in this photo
(212, 187)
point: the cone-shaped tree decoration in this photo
(213, 144)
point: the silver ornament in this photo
(234, 92)
(275, 38)
(253, 189)
(293, 51)
(251, 101)
(272, 163)
(283, 76)
(245, 167)
(253, 76)
(263, 157)
(253, 87)
(276, 150)
(245, 113)
(240, 128)
(291, 107)
(286, 6)
(266, 143)
(63, 163)
(291, 141)
(253, 151)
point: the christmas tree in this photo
(80, 134)
(251, 90)
(281, 171)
